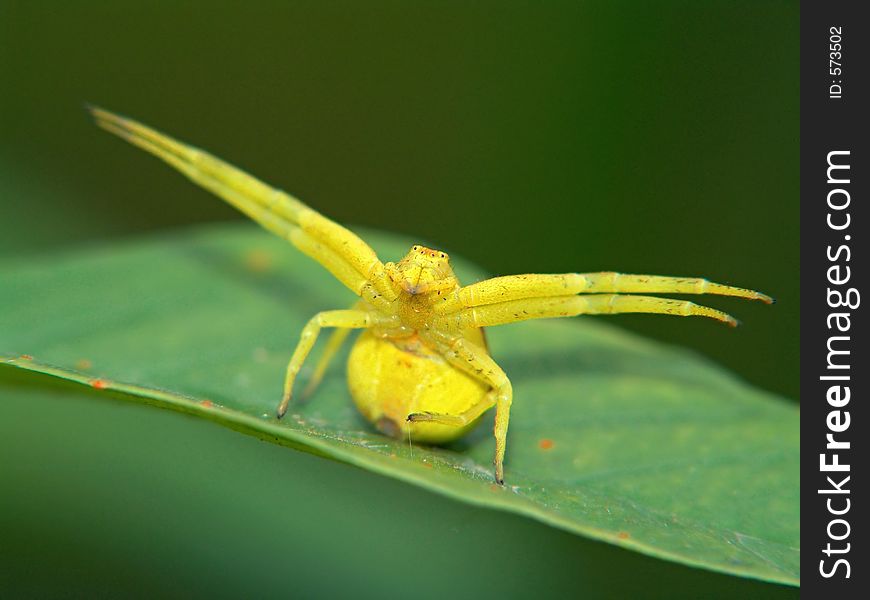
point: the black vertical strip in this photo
(834, 230)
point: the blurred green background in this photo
(561, 136)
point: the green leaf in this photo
(88, 491)
(614, 437)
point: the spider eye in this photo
(442, 255)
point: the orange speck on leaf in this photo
(26, 357)
(623, 535)
(99, 384)
(546, 444)
(206, 403)
(258, 261)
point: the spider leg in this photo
(333, 345)
(517, 287)
(621, 283)
(341, 270)
(346, 319)
(275, 210)
(475, 361)
(460, 420)
(570, 306)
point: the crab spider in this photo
(421, 364)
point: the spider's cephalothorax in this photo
(421, 367)
(423, 271)
(421, 278)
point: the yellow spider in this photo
(422, 366)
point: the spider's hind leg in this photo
(476, 362)
(333, 345)
(343, 319)
(460, 420)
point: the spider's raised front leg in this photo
(621, 283)
(337, 248)
(519, 297)
(346, 319)
(571, 306)
(518, 287)
(475, 361)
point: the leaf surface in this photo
(614, 437)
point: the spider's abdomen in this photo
(390, 379)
